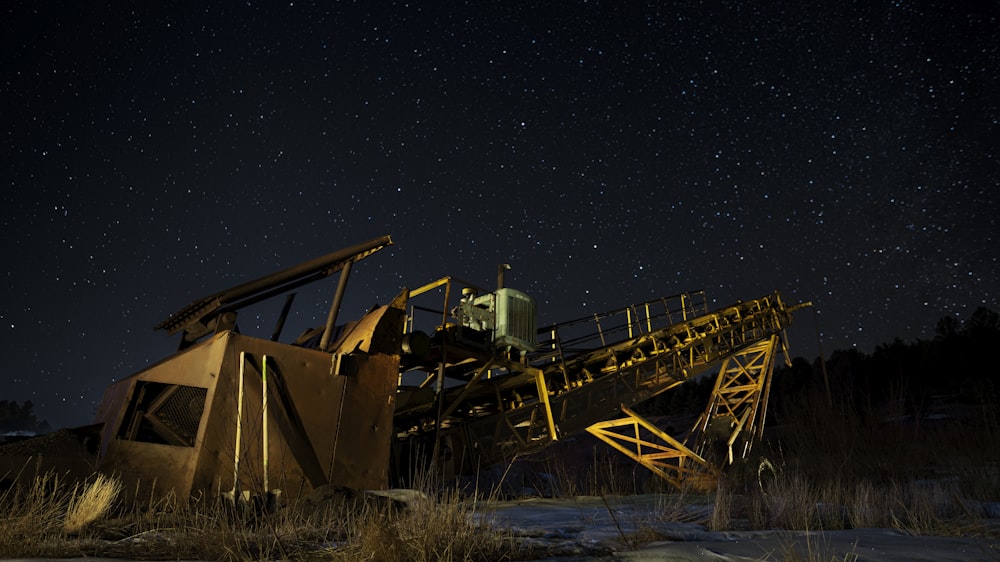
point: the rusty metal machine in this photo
(231, 413)
(457, 385)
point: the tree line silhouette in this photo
(15, 417)
(910, 379)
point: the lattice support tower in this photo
(738, 404)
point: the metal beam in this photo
(656, 450)
(204, 309)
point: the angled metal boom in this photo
(203, 310)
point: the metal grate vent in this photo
(181, 412)
(164, 413)
(515, 323)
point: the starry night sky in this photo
(612, 152)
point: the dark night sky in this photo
(611, 152)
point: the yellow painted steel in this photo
(461, 397)
(668, 458)
(586, 371)
(739, 398)
(543, 396)
(266, 446)
(738, 403)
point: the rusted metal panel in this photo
(233, 413)
(199, 317)
(133, 446)
(328, 417)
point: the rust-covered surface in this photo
(329, 416)
(232, 414)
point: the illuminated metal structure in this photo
(231, 414)
(587, 374)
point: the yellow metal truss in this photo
(736, 409)
(738, 402)
(648, 445)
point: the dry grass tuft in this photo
(47, 518)
(791, 502)
(863, 506)
(31, 516)
(814, 547)
(92, 504)
(427, 530)
(723, 507)
(931, 508)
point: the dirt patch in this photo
(64, 451)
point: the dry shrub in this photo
(92, 503)
(218, 530)
(814, 547)
(37, 517)
(863, 503)
(682, 506)
(790, 502)
(31, 516)
(612, 475)
(47, 518)
(165, 527)
(723, 507)
(831, 510)
(931, 508)
(980, 481)
(427, 530)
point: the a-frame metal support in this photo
(738, 403)
(648, 445)
(735, 410)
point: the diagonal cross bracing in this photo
(564, 392)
